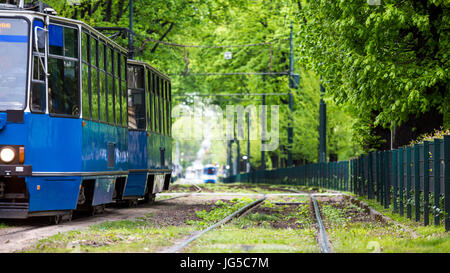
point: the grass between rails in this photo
(269, 228)
(351, 230)
(221, 210)
(140, 235)
(118, 236)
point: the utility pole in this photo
(322, 127)
(291, 102)
(130, 33)
(248, 143)
(263, 136)
(238, 156)
(229, 159)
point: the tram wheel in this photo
(132, 203)
(55, 219)
(150, 198)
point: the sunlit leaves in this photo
(389, 61)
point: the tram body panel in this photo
(101, 143)
(53, 193)
(54, 151)
(65, 153)
(137, 163)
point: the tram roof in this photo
(137, 62)
(68, 21)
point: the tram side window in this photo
(157, 106)
(136, 98)
(94, 79)
(110, 104)
(86, 98)
(150, 100)
(163, 108)
(124, 93)
(109, 90)
(63, 81)
(168, 104)
(170, 109)
(153, 103)
(117, 97)
(38, 99)
(103, 82)
(147, 97)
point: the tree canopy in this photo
(389, 62)
(194, 36)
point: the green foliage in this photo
(215, 25)
(387, 61)
(220, 211)
(437, 134)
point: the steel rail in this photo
(322, 236)
(235, 214)
(183, 195)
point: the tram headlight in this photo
(7, 154)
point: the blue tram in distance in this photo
(81, 126)
(210, 173)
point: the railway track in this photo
(36, 228)
(180, 246)
(322, 236)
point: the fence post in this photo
(333, 182)
(302, 175)
(377, 170)
(352, 179)
(318, 168)
(352, 174)
(362, 177)
(338, 166)
(408, 182)
(447, 182)
(317, 174)
(416, 183)
(313, 174)
(370, 177)
(382, 177)
(437, 179)
(401, 178)
(358, 176)
(336, 175)
(330, 176)
(394, 180)
(387, 185)
(426, 184)
(346, 175)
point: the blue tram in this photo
(210, 174)
(81, 126)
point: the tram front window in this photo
(14, 37)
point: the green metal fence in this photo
(413, 180)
